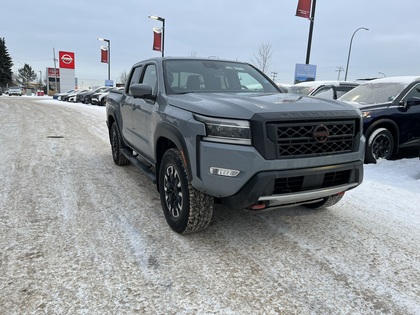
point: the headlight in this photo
(226, 130)
(366, 114)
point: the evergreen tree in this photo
(5, 65)
(26, 74)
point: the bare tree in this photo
(263, 57)
(123, 77)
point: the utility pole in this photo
(57, 88)
(274, 75)
(339, 69)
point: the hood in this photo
(245, 105)
(369, 107)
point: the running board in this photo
(137, 163)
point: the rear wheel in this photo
(186, 209)
(116, 146)
(380, 145)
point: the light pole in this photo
(40, 80)
(158, 18)
(109, 55)
(351, 41)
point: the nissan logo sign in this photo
(67, 59)
(321, 134)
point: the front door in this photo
(142, 114)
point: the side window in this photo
(343, 90)
(414, 92)
(150, 77)
(325, 93)
(135, 76)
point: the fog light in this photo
(223, 172)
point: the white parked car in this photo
(98, 98)
(73, 96)
(323, 89)
(15, 91)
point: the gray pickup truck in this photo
(212, 131)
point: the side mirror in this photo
(413, 101)
(142, 90)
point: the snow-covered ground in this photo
(80, 235)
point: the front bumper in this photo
(277, 188)
(279, 182)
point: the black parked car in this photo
(88, 96)
(391, 114)
(81, 96)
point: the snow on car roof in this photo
(398, 79)
(319, 83)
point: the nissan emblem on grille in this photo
(321, 133)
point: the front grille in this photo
(318, 180)
(302, 139)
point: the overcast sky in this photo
(227, 29)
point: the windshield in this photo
(374, 93)
(214, 76)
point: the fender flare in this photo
(166, 131)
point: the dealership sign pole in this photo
(159, 37)
(303, 10)
(106, 55)
(67, 70)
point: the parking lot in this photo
(80, 235)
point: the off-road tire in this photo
(186, 209)
(116, 146)
(326, 202)
(379, 145)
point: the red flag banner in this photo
(304, 8)
(157, 39)
(104, 54)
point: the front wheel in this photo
(380, 145)
(186, 209)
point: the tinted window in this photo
(150, 77)
(414, 92)
(135, 76)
